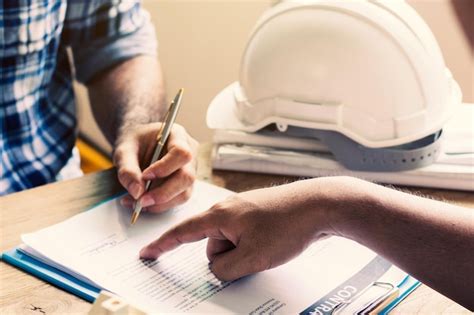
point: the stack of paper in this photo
(275, 153)
(100, 248)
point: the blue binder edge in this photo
(407, 286)
(51, 275)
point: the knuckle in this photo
(126, 172)
(184, 153)
(227, 204)
(219, 212)
(218, 207)
(186, 195)
(179, 149)
(177, 229)
(158, 170)
(179, 240)
(155, 168)
(156, 209)
(163, 196)
(187, 176)
(117, 156)
(123, 175)
(122, 172)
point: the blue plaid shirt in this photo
(37, 111)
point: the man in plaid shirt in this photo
(114, 49)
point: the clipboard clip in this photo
(374, 306)
(109, 304)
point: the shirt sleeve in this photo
(103, 33)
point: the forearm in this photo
(126, 95)
(432, 240)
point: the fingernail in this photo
(147, 201)
(134, 190)
(144, 253)
(148, 175)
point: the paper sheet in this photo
(101, 246)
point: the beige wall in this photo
(201, 42)
(442, 20)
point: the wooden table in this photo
(30, 210)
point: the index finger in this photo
(191, 230)
(179, 154)
(128, 169)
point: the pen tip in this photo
(134, 217)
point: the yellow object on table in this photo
(92, 160)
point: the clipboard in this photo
(60, 279)
(382, 304)
(89, 291)
(51, 275)
(374, 306)
(366, 299)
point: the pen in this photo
(161, 139)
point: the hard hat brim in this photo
(222, 112)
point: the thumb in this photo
(128, 169)
(234, 264)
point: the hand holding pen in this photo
(175, 168)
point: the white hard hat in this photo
(371, 71)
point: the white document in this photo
(294, 163)
(102, 247)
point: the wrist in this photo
(341, 204)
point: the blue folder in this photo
(51, 275)
(407, 286)
(89, 293)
